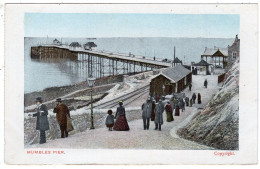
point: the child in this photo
(110, 120)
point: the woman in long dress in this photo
(168, 109)
(121, 121)
(177, 110)
(199, 98)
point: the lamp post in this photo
(163, 87)
(91, 81)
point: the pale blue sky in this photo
(130, 25)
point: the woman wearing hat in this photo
(121, 121)
(42, 122)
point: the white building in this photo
(216, 56)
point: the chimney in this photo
(236, 39)
(174, 56)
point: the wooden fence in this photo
(221, 77)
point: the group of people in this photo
(119, 121)
(42, 122)
(193, 99)
(152, 110)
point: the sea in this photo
(41, 74)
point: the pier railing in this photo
(100, 63)
(107, 52)
(131, 56)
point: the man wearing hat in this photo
(146, 115)
(62, 113)
(42, 122)
(159, 109)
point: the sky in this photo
(87, 25)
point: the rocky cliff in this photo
(217, 125)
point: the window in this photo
(234, 55)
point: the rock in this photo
(217, 124)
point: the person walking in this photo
(187, 101)
(159, 109)
(164, 101)
(146, 115)
(174, 102)
(169, 111)
(121, 121)
(199, 98)
(177, 110)
(110, 120)
(42, 123)
(205, 83)
(153, 109)
(182, 105)
(193, 98)
(190, 85)
(171, 102)
(190, 102)
(63, 117)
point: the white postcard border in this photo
(14, 89)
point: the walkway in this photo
(137, 138)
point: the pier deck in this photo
(101, 63)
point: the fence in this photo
(221, 77)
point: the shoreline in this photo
(76, 90)
(78, 95)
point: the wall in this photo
(157, 83)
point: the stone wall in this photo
(80, 123)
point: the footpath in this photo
(137, 138)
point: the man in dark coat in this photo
(153, 109)
(159, 109)
(190, 85)
(181, 105)
(42, 123)
(146, 115)
(205, 83)
(187, 101)
(194, 98)
(62, 112)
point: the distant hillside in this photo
(218, 124)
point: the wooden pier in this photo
(99, 62)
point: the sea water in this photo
(41, 74)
